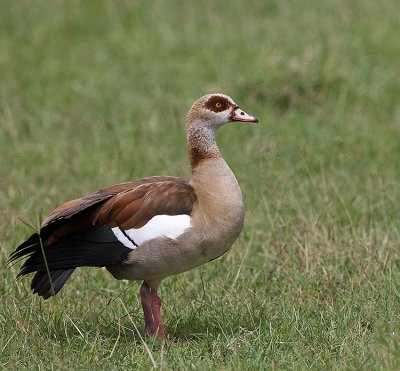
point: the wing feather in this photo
(126, 205)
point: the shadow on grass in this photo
(190, 329)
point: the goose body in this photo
(149, 228)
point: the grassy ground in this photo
(96, 93)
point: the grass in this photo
(94, 93)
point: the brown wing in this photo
(70, 208)
(127, 205)
(135, 207)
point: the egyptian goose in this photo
(149, 228)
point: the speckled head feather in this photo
(206, 115)
(214, 109)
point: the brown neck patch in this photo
(217, 103)
(197, 156)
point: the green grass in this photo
(94, 93)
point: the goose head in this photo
(214, 110)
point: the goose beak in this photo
(239, 115)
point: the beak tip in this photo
(239, 115)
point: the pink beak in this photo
(239, 115)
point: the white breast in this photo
(170, 226)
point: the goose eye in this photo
(218, 105)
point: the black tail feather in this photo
(68, 254)
(26, 248)
(47, 286)
(96, 247)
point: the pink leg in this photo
(156, 307)
(146, 298)
(151, 304)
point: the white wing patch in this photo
(170, 226)
(122, 238)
